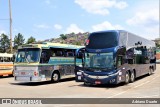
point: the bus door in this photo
(69, 54)
(79, 63)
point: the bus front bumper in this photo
(95, 79)
(29, 78)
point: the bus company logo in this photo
(97, 77)
(97, 71)
(98, 50)
(21, 101)
(6, 101)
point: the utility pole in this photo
(10, 20)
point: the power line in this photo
(4, 19)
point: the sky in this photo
(45, 19)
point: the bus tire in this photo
(150, 71)
(86, 84)
(132, 77)
(55, 77)
(127, 77)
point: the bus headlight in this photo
(118, 72)
(15, 73)
(79, 72)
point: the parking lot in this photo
(143, 87)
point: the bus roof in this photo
(6, 55)
(128, 39)
(47, 45)
(131, 39)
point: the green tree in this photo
(72, 33)
(18, 40)
(31, 40)
(4, 43)
(63, 37)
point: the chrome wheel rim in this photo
(127, 78)
(132, 77)
(55, 77)
(149, 72)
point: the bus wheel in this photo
(132, 77)
(86, 84)
(127, 78)
(150, 71)
(55, 77)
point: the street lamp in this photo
(10, 18)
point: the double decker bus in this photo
(43, 62)
(6, 64)
(115, 56)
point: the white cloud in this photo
(57, 26)
(150, 17)
(106, 26)
(100, 6)
(147, 21)
(121, 5)
(42, 26)
(74, 28)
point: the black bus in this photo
(115, 56)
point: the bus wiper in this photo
(26, 59)
(89, 68)
(107, 68)
(104, 68)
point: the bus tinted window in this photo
(59, 53)
(28, 55)
(1, 59)
(45, 56)
(69, 53)
(102, 40)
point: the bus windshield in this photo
(99, 60)
(102, 40)
(28, 55)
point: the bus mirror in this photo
(80, 55)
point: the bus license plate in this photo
(23, 73)
(97, 82)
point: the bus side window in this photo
(130, 56)
(119, 61)
(59, 53)
(5, 59)
(1, 59)
(70, 54)
(45, 56)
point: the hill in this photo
(72, 38)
